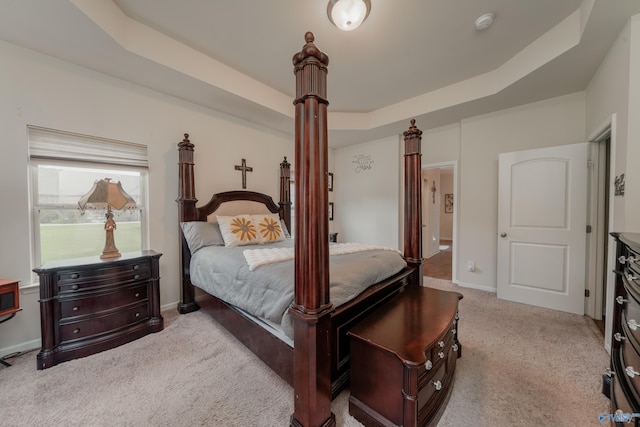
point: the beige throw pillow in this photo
(238, 230)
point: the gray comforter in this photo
(267, 292)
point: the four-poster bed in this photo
(317, 366)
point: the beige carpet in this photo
(520, 366)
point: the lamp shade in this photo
(348, 14)
(105, 194)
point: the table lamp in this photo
(106, 195)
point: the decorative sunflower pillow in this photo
(238, 230)
(269, 228)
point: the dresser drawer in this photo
(101, 301)
(437, 354)
(430, 385)
(72, 281)
(630, 368)
(621, 410)
(77, 329)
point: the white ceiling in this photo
(419, 59)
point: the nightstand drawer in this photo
(74, 307)
(437, 354)
(103, 323)
(71, 281)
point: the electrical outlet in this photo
(471, 266)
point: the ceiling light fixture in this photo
(348, 14)
(484, 21)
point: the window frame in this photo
(36, 206)
(67, 149)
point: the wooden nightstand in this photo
(88, 305)
(9, 298)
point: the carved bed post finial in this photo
(311, 305)
(285, 192)
(413, 201)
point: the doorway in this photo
(439, 222)
(599, 221)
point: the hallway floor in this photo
(439, 265)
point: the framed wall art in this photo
(448, 203)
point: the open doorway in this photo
(599, 227)
(439, 220)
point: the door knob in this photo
(503, 235)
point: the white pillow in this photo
(269, 228)
(238, 230)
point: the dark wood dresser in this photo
(403, 359)
(88, 305)
(624, 377)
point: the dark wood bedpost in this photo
(285, 192)
(186, 212)
(311, 305)
(413, 202)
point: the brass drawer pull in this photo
(137, 294)
(441, 344)
(137, 314)
(136, 277)
(630, 259)
(135, 267)
(631, 372)
(77, 330)
(455, 347)
(441, 355)
(76, 308)
(428, 365)
(631, 277)
(75, 275)
(437, 384)
(633, 325)
(75, 287)
(620, 299)
(453, 331)
(618, 337)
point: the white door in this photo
(542, 219)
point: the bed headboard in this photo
(237, 202)
(225, 203)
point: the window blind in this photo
(58, 145)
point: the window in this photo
(64, 167)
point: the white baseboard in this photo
(21, 348)
(474, 286)
(429, 255)
(171, 305)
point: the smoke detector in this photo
(484, 21)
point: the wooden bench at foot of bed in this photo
(403, 359)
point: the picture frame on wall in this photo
(330, 211)
(448, 203)
(330, 182)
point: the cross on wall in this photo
(244, 168)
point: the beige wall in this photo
(40, 90)
(367, 200)
(475, 143)
(632, 171)
(556, 121)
